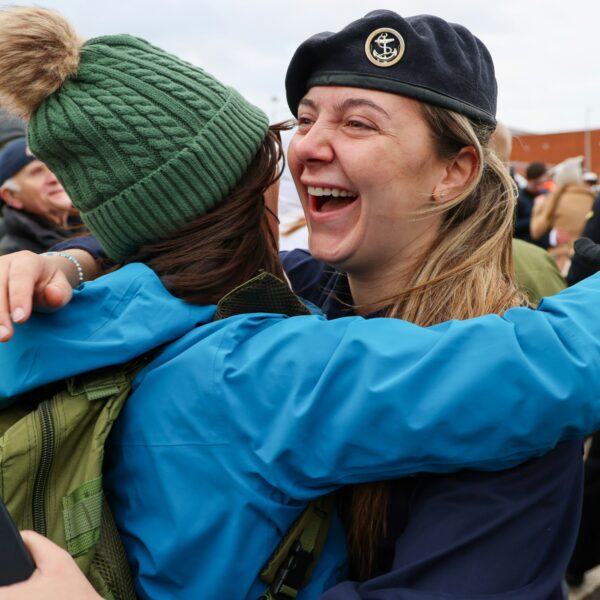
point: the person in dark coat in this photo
(536, 175)
(37, 211)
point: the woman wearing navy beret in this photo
(412, 213)
(405, 199)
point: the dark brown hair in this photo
(222, 249)
(535, 169)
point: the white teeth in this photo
(335, 192)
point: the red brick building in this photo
(552, 148)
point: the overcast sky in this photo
(547, 54)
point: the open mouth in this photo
(331, 199)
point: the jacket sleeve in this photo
(109, 321)
(85, 242)
(353, 400)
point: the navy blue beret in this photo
(421, 57)
(13, 157)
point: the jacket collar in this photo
(263, 293)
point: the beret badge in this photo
(384, 47)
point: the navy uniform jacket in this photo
(467, 535)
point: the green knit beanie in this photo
(142, 141)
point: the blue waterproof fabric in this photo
(238, 423)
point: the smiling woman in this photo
(379, 147)
(253, 408)
(394, 118)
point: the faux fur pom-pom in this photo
(39, 50)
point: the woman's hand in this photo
(30, 280)
(56, 577)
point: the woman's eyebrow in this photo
(307, 102)
(358, 102)
(346, 104)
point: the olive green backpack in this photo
(51, 453)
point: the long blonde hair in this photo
(465, 272)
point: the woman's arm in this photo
(482, 393)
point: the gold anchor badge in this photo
(384, 47)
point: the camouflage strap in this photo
(290, 566)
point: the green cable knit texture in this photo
(143, 141)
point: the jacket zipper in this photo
(41, 478)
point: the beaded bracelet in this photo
(71, 259)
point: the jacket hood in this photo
(109, 321)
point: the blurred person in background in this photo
(37, 210)
(536, 176)
(564, 210)
(11, 127)
(536, 272)
(590, 178)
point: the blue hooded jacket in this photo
(239, 422)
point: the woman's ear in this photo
(458, 174)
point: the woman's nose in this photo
(314, 145)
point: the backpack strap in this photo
(290, 566)
(82, 508)
(106, 382)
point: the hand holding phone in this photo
(15, 562)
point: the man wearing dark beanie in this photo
(36, 208)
